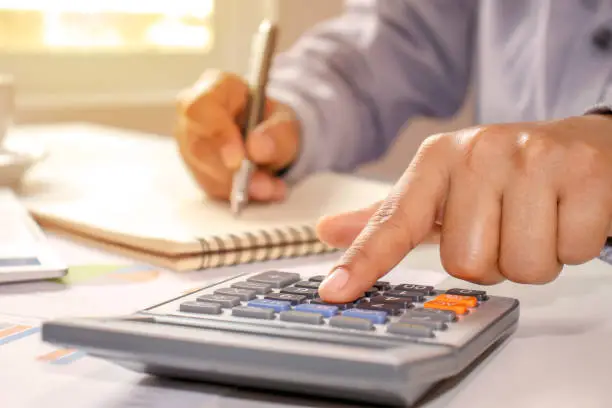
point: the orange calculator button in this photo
(469, 301)
(458, 308)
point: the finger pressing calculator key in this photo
(272, 326)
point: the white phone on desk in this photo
(25, 253)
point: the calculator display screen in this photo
(12, 262)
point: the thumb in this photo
(340, 230)
(274, 143)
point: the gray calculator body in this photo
(291, 351)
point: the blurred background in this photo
(122, 62)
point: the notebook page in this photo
(138, 186)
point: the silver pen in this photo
(259, 66)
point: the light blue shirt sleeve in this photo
(356, 80)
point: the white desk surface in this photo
(559, 357)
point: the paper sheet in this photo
(42, 375)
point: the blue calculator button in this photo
(377, 317)
(277, 305)
(326, 311)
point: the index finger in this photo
(402, 221)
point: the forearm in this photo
(355, 81)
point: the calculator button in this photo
(276, 305)
(253, 312)
(404, 302)
(347, 322)
(341, 306)
(223, 300)
(439, 304)
(414, 330)
(308, 293)
(443, 315)
(259, 288)
(200, 307)
(301, 317)
(307, 284)
(318, 278)
(428, 321)
(426, 290)
(373, 291)
(325, 310)
(382, 285)
(376, 316)
(393, 309)
(411, 294)
(469, 301)
(276, 278)
(286, 297)
(243, 294)
(478, 294)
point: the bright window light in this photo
(116, 25)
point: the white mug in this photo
(7, 104)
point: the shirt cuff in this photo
(306, 115)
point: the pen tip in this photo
(236, 206)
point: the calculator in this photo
(269, 330)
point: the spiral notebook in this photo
(131, 193)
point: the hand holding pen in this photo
(211, 135)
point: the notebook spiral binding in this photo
(262, 245)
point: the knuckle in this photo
(207, 89)
(570, 254)
(588, 163)
(533, 273)
(473, 269)
(480, 148)
(435, 144)
(536, 150)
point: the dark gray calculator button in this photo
(341, 306)
(391, 308)
(244, 294)
(371, 292)
(411, 294)
(414, 330)
(301, 317)
(307, 284)
(286, 297)
(318, 278)
(200, 307)
(478, 294)
(382, 285)
(276, 278)
(404, 302)
(444, 315)
(309, 293)
(259, 288)
(355, 323)
(426, 290)
(253, 312)
(223, 300)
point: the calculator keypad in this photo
(405, 309)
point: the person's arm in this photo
(354, 81)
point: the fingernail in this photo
(336, 281)
(231, 156)
(263, 146)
